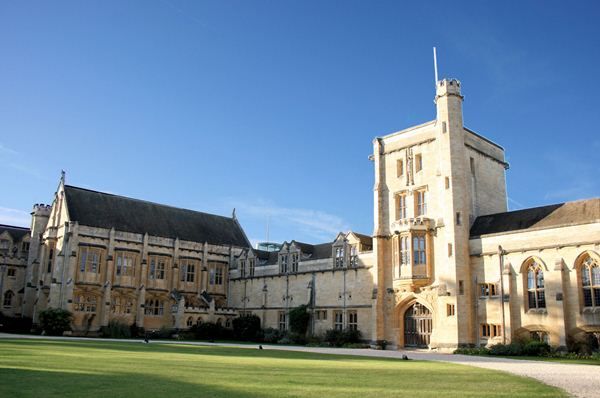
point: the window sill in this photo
(591, 310)
(537, 311)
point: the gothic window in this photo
(539, 335)
(419, 254)
(251, 264)
(487, 290)
(218, 280)
(89, 259)
(282, 320)
(158, 265)
(125, 263)
(400, 206)
(188, 271)
(189, 322)
(535, 286)
(85, 303)
(294, 260)
(8, 298)
(404, 251)
(283, 263)
(339, 257)
(420, 202)
(352, 320)
(11, 272)
(49, 262)
(242, 268)
(338, 320)
(25, 247)
(353, 256)
(4, 245)
(154, 307)
(590, 282)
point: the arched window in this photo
(539, 335)
(189, 322)
(199, 321)
(8, 298)
(536, 297)
(590, 282)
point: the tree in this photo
(299, 319)
(55, 321)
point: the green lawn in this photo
(50, 368)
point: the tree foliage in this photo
(55, 321)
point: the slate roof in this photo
(578, 212)
(17, 233)
(364, 239)
(104, 210)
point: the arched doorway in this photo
(417, 326)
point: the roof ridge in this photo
(540, 207)
(14, 226)
(148, 201)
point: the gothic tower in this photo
(431, 181)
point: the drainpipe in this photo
(501, 264)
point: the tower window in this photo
(450, 310)
(400, 206)
(418, 163)
(399, 167)
(420, 203)
(449, 249)
(447, 182)
(458, 218)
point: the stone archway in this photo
(418, 324)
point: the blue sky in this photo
(271, 106)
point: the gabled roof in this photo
(364, 239)
(17, 233)
(569, 213)
(104, 210)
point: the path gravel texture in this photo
(577, 380)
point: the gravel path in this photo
(577, 380)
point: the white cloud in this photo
(15, 217)
(316, 224)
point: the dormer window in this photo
(294, 259)
(242, 268)
(353, 256)
(339, 257)
(283, 263)
(251, 264)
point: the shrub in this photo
(55, 321)
(536, 348)
(272, 335)
(512, 349)
(15, 324)
(116, 330)
(472, 351)
(136, 331)
(299, 319)
(338, 338)
(210, 331)
(247, 327)
(163, 333)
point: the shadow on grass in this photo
(46, 383)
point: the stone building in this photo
(453, 266)
(446, 266)
(105, 257)
(14, 252)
